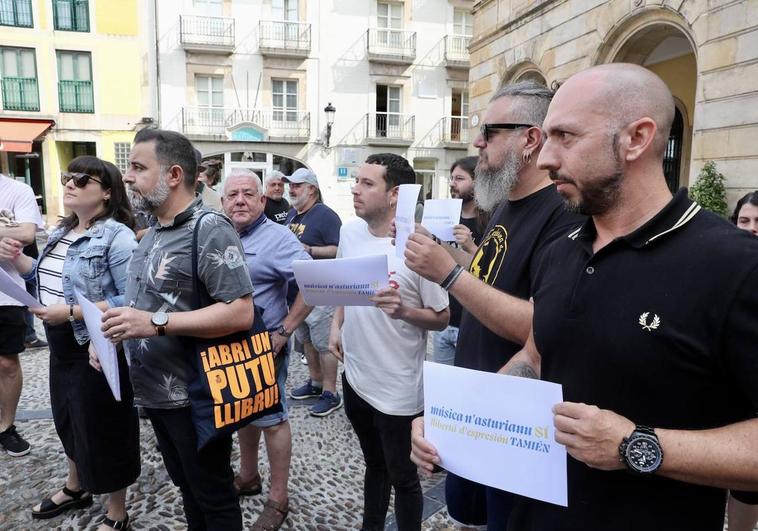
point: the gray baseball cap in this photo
(302, 175)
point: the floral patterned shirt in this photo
(160, 279)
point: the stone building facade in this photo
(705, 50)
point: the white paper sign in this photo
(440, 216)
(13, 290)
(496, 430)
(405, 214)
(341, 281)
(106, 351)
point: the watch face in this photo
(643, 453)
(159, 318)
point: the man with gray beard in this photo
(495, 289)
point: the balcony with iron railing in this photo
(76, 96)
(276, 125)
(390, 129)
(206, 34)
(284, 39)
(20, 94)
(453, 132)
(391, 46)
(456, 51)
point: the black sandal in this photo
(118, 525)
(49, 509)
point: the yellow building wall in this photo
(106, 148)
(117, 17)
(41, 21)
(117, 73)
(680, 75)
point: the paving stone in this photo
(325, 483)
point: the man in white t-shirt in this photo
(383, 348)
(19, 219)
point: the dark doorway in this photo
(672, 159)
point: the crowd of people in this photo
(572, 263)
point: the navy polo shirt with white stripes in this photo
(660, 326)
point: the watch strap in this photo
(646, 430)
(71, 313)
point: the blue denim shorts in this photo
(281, 363)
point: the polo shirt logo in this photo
(655, 323)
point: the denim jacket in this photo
(95, 265)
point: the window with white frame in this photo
(388, 110)
(213, 8)
(463, 23)
(121, 150)
(209, 91)
(284, 98)
(389, 19)
(284, 10)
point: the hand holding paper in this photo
(341, 281)
(496, 430)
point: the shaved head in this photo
(624, 93)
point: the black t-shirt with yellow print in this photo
(517, 234)
(318, 226)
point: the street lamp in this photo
(329, 110)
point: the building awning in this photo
(17, 134)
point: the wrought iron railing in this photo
(392, 43)
(456, 48)
(20, 94)
(206, 31)
(454, 129)
(390, 125)
(75, 96)
(214, 121)
(284, 35)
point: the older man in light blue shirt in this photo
(270, 249)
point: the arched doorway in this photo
(660, 41)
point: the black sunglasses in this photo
(485, 129)
(80, 179)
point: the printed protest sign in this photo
(440, 216)
(341, 281)
(496, 430)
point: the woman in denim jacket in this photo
(89, 252)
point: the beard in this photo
(466, 196)
(596, 198)
(153, 200)
(493, 185)
(601, 194)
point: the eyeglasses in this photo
(485, 129)
(80, 179)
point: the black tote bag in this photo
(236, 376)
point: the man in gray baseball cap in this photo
(318, 228)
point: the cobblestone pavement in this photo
(325, 485)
